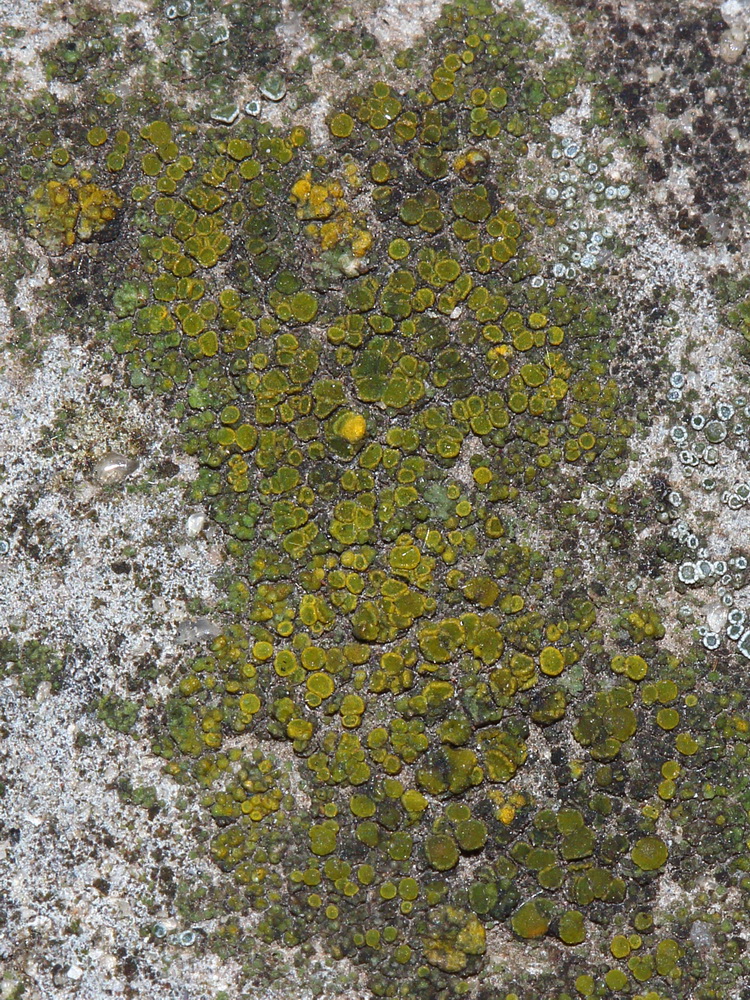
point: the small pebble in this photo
(196, 630)
(732, 45)
(113, 468)
(195, 525)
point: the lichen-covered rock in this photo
(447, 345)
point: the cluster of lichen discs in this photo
(363, 421)
(62, 211)
(396, 418)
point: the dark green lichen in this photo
(32, 663)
